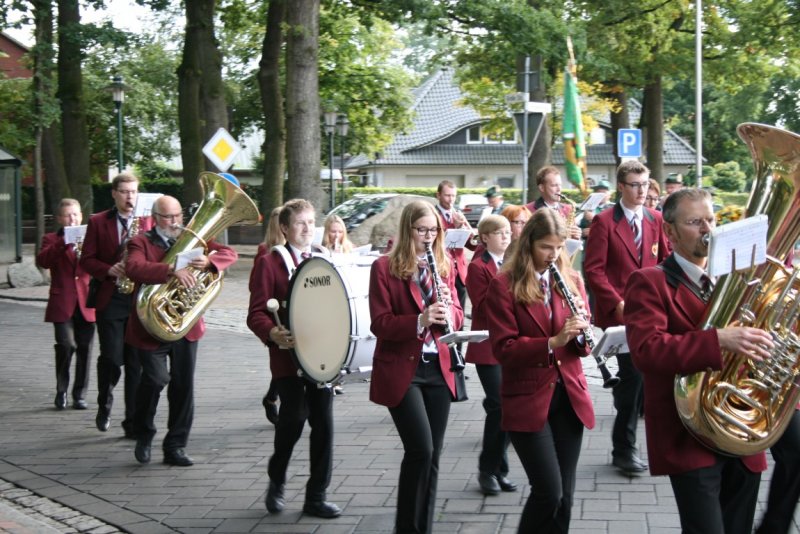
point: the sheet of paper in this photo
(732, 245)
(74, 234)
(591, 203)
(472, 336)
(319, 233)
(363, 250)
(144, 204)
(613, 338)
(573, 246)
(456, 237)
(486, 211)
(186, 257)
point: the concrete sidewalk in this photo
(61, 456)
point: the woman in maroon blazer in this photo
(545, 399)
(66, 307)
(411, 368)
(494, 232)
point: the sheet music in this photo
(74, 234)
(185, 258)
(461, 336)
(363, 250)
(613, 337)
(456, 237)
(591, 203)
(319, 233)
(573, 246)
(486, 211)
(738, 239)
(144, 204)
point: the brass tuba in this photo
(168, 311)
(744, 408)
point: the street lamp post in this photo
(118, 94)
(342, 127)
(330, 130)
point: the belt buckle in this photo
(423, 358)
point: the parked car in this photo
(472, 206)
(359, 208)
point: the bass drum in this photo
(328, 311)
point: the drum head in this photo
(319, 319)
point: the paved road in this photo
(82, 475)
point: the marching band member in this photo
(545, 397)
(451, 218)
(272, 237)
(622, 240)
(663, 306)
(300, 399)
(144, 266)
(102, 257)
(495, 235)
(72, 320)
(548, 181)
(411, 368)
(334, 236)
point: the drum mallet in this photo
(272, 307)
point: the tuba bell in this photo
(744, 408)
(169, 310)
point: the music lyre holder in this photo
(462, 336)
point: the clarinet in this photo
(608, 380)
(456, 359)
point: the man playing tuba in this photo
(144, 266)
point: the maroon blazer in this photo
(69, 283)
(661, 317)
(482, 269)
(101, 250)
(394, 305)
(519, 334)
(611, 256)
(563, 208)
(144, 266)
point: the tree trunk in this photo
(652, 123)
(302, 102)
(269, 81)
(75, 138)
(201, 94)
(620, 120)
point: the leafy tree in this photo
(728, 177)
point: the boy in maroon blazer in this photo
(66, 307)
(144, 266)
(613, 252)
(664, 304)
(548, 180)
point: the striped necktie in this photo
(637, 233)
(426, 287)
(706, 287)
(545, 287)
(124, 234)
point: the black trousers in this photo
(421, 420)
(493, 458)
(550, 459)
(784, 489)
(627, 400)
(75, 336)
(300, 401)
(114, 354)
(720, 499)
(156, 374)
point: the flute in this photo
(588, 335)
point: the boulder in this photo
(381, 227)
(24, 274)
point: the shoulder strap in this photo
(675, 276)
(287, 258)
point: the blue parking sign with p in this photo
(629, 143)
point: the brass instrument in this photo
(124, 284)
(573, 213)
(588, 334)
(744, 408)
(169, 310)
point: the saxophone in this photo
(124, 284)
(169, 310)
(744, 408)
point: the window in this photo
(474, 135)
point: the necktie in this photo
(124, 234)
(637, 233)
(448, 217)
(426, 286)
(545, 287)
(170, 242)
(305, 255)
(706, 287)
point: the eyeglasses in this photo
(518, 223)
(651, 199)
(698, 223)
(127, 192)
(501, 232)
(421, 230)
(173, 216)
(637, 185)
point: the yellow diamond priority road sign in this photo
(222, 149)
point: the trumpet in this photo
(608, 380)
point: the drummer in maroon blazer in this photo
(102, 257)
(612, 253)
(66, 307)
(411, 368)
(494, 232)
(144, 266)
(539, 344)
(664, 304)
(300, 398)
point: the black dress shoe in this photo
(629, 464)
(271, 409)
(60, 401)
(142, 451)
(102, 421)
(274, 499)
(177, 457)
(323, 509)
(488, 484)
(79, 404)
(505, 484)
